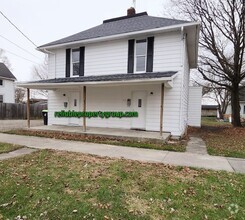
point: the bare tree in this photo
(40, 72)
(19, 95)
(4, 59)
(220, 95)
(222, 40)
(214, 92)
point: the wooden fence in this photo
(18, 111)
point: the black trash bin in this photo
(45, 117)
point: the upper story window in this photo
(244, 109)
(75, 59)
(1, 82)
(140, 55)
(1, 98)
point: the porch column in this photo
(84, 106)
(161, 108)
(28, 108)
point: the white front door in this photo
(74, 105)
(139, 105)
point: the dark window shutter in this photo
(81, 63)
(68, 62)
(150, 53)
(131, 56)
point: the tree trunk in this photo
(235, 106)
(221, 114)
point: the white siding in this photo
(57, 63)
(8, 91)
(112, 57)
(106, 58)
(167, 52)
(194, 106)
(101, 99)
(51, 66)
(56, 101)
(172, 105)
(242, 104)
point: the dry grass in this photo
(61, 185)
(5, 148)
(221, 138)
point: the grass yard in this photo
(221, 138)
(212, 121)
(5, 148)
(60, 185)
(179, 146)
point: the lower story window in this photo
(1, 98)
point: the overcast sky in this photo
(44, 21)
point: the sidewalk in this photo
(146, 155)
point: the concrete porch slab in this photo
(108, 132)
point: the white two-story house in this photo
(7, 87)
(135, 63)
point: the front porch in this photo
(118, 133)
(151, 95)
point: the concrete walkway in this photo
(196, 146)
(17, 153)
(6, 125)
(147, 155)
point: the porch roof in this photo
(115, 79)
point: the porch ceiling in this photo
(103, 80)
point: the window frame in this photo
(71, 61)
(135, 54)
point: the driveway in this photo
(6, 125)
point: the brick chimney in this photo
(131, 11)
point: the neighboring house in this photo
(209, 110)
(7, 87)
(131, 63)
(38, 101)
(242, 104)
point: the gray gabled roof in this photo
(121, 25)
(5, 72)
(114, 77)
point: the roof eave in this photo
(52, 86)
(7, 78)
(192, 43)
(118, 36)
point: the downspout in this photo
(183, 66)
(187, 85)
